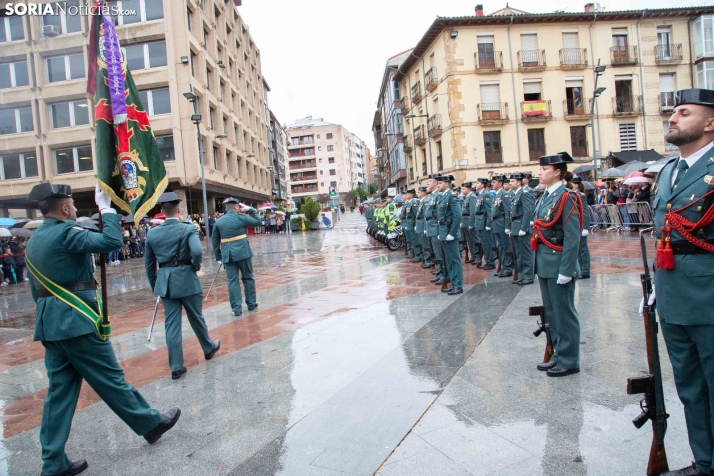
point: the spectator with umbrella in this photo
(17, 248)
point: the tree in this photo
(360, 194)
(347, 198)
(372, 188)
(310, 208)
(323, 198)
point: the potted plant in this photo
(311, 210)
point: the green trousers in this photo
(415, 244)
(584, 256)
(471, 241)
(524, 256)
(452, 258)
(172, 323)
(89, 358)
(487, 244)
(437, 252)
(691, 351)
(504, 251)
(425, 248)
(559, 303)
(245, 268)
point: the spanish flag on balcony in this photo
(535, 108)
(129, 165)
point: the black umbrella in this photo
(589, 185)
(583, 168)
(20, 222)
(21, 232)
(127, 219)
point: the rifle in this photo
(444, 269)
(651, 385)
(543, 326)
(495, 251)
(156, 308)
(515, 259)
(465, 246)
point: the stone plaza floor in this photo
(355, 364)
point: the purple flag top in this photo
(112, 56)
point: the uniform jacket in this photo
(550, 263)
(449, 214)
(586, 211)
(162, 243)
(684, 293)
(467, 212)
(499, 211)
(229, 225)
(482, 210)
(430, 214)
(61, 250)
(523, 205)
(419, 220)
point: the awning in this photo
(627, 156)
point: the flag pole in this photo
(103, 278)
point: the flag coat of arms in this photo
(535, 108)
(130, 168)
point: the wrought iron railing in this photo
(434, 125)
(531, 59)
(573, 57)
(668, 53)
(497, 111)
(416, 93)
(627, 104)
(666, 102)
(576, 107)
(488, 61)
(431, 79)
(623, 55)
(420, 135)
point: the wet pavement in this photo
(355, 364)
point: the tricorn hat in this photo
(577, 180)
(484, 181)
(46, 190)
(445, 178)
(412, 191)
(168, 197)
(559, 158)
(434, 176)
(517, 176)
(231, 200)
(467, 184)
(499, 178)
(702, 97)
(422, 189)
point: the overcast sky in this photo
(326, 58)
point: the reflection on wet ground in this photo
(355, 364)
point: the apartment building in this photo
(323, 157)
(491, 93)
(388, 128)
(171, 47)
(277, 139)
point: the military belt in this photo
(517, 217)
(464, 214)
(479, 213)
(72, 287)
(175, 264)
(430, 218)
(554, 241)
(500, 215)
(444, 223)
(235, 238)
(686, 248)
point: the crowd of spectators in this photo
(12, 256)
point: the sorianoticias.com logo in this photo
(64, 8)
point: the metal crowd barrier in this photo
(622, 217)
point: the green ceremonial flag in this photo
(130, 168)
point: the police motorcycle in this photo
(395, 238)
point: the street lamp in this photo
(428, 138)
(196, 119)
(597, 71)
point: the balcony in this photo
(416, 93)
(295, 153)
(434, 125)
(404, 106)
(573, 58)
(627, 105)
(420, 135)
(405, 144)
(488, 62)
(623, 55)
(492, 113)
(431, 79)
(302, 164)
(669, 53)
(536, 111)
(576, 108)
(666, 102)
(303, 177)
(306, 188)
(531, 60)
(295, 142)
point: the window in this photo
(319, 148)
(703, 32)
(705, 75)
(13, 75)
(11, 29)
(331, 160)
(64, 68)
(145, 56)
(490, 101)
(321, 172)
(215, 158)
(16, 120)
(320, 160)
(667, 87)
(73, 160)
(156, 101)
(318, 136)
(69, 114)
(64, 23)
(144, 10)
(212, 117)
(330, 148)
(208, 78)
(536, 143)
(18, 166)
(492, 147)
(189, 19)
(333, 184)
(628, 136)
(328, 136)
(166, 147)
(194, 59)
(333, 172)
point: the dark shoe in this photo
(516, 282)
(503, 274)
(250, 308)
(688, 471)
(448, 290)
(177, 374)
(435, 272)
(168, 420)
(547, 365)
(439, 282)
(455, 291)
(584, 276)
(488, 267)
(239, 314)
(525, 282)
(559, 371)
(415, 260)
(438, 278)
(476, 263)
(75, 468)
(216, 347)
(426, 265)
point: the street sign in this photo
(333, 193)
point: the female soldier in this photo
(556, 241)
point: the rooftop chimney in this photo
(589, 8)
(479, 10)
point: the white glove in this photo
(508, 232)
(653, 298)
(425, 232)
(103, 201)
(531, 223)
(449, 238)
(521, 233)
(585, 233)
(471, 228)
(243, 206)
(564, 279)
(488, 229)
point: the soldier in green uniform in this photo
(467, 220)
(584, 253)
(497, 223)
(684, 279)
(419, 228)
(449, 214)
(176, 281)
(231, 247)
(484, 233)
(68, 323)
(411, 217)
(402, 214)
(431, 225)
(557, 229)
(521, 216)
